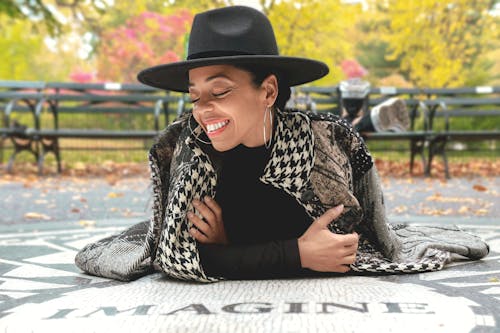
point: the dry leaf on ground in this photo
(115, 195)
(479, 188)
(86, 223)
(36, 216)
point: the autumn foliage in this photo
(353, 69)
(386, 168)
(472, 168)
(440, 43)
(145, 40)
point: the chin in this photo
(222, 147)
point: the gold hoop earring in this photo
(197, 137)
(267, 143)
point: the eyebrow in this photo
(213, 77)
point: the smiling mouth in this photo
(213, 128)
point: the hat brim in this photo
(174, 76)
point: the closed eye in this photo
(222, 93)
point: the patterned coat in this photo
(317, 159)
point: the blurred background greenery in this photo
(402, 43)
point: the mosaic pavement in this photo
(42, 291)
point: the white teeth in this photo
(216, 126)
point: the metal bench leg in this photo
(1, 149)
(11, 161)
(412, 160)
(446, 169)
(441, 150)
(58, 157)
(416, 147)
(428, 165)
(51, 145)
(422, 155)
(19, 147)
(41, 159)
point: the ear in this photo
(270, 88)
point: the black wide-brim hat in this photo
(231, 36)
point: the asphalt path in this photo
(90, 199)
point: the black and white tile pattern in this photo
(42, 291)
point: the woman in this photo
(244, 189)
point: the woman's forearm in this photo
(267, 260)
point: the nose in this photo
(202, 106)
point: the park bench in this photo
(327, 99)
(416, 138)
(51, 112)
(425, 105)
(94, 111)
(450, 110)
(18, 97)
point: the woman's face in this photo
(229, 107)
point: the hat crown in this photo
(235, 30)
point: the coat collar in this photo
(292, 156)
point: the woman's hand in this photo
(210, 228)
(324, 251)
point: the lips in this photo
(216, 127)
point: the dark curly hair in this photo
(259, 73)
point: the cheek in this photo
(197, 117)
(247, 119)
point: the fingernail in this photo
(339, 208)
(196, 202)
(207, 198)
(190, 214)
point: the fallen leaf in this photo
(112, 179)
(481, 212)
(494, 279)
(127, 212)
(115, 195)
(464, 210)
(79, 166)
(75, 210)
(400, 209)
(36, 216)
(435, 197)
(87, 223)
(479, 188)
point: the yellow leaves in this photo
(436, 41)
(115, 195)
(470, 206)
(463, 210)
(36, 216)
(400, 209)
(436, 211)
(87, 223)
(481, 212)
(437, 197)
(308, 32)
(79, 166)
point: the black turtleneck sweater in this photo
(262, 222)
